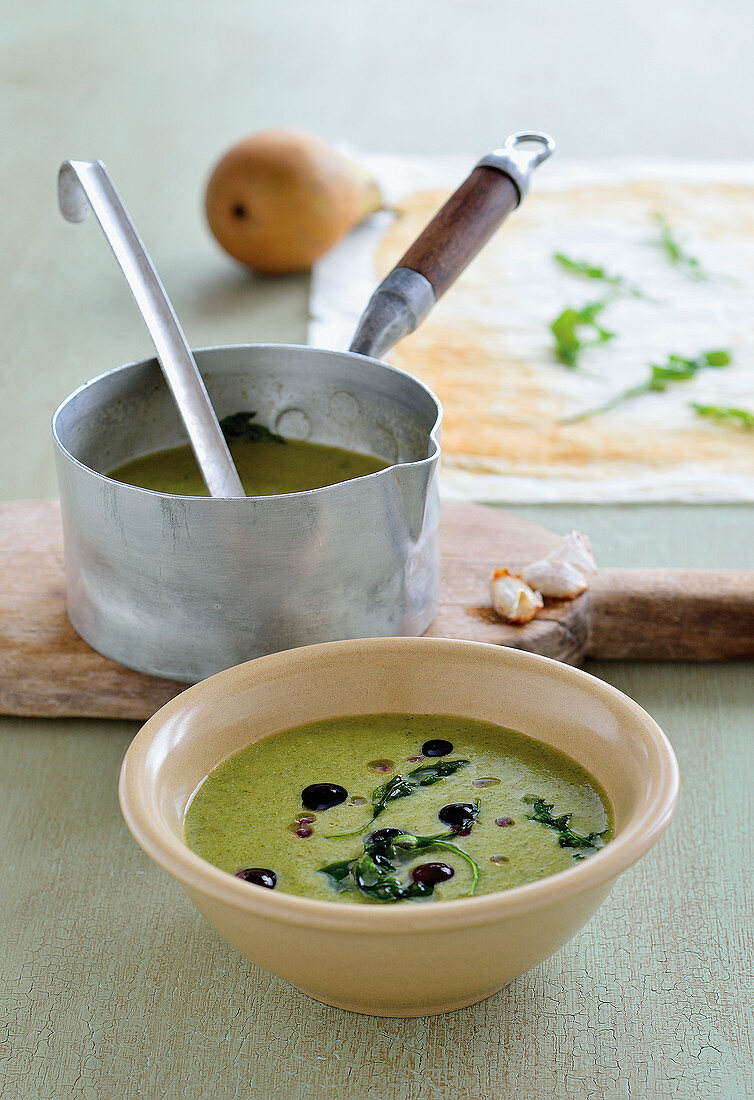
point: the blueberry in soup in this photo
(460, 816)
(431, 874)
(323, 796)
(260, 876)
(435, 827)
(383, 835)
(437, 748)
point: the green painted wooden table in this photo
(111, 985)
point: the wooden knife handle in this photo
(671, 615)
(462, 227)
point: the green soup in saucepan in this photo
(388, 808)
(264, 467)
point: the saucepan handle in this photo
(449, 243)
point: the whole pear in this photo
(278, 200)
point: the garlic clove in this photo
(557, 579)
(513, 599)
(576, 550)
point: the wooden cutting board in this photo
(46, 670)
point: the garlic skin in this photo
(557, 579)
(565, 572)
(576, 550)
(513, 599)
(562, 575)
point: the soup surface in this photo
(397, 808)
(264, 466)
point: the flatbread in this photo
(488, 353)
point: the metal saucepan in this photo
(183, 587)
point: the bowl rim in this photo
(648, 823)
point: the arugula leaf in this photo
(675, 252)
(373, 873)
(400, 786)
(567, 838)
(677, 369)
(728, 414)
(397, 787)
(567, 326)
(240, 426)
(424, 776)
(338, 871)
(427, 774)
(592, 271)
(437, 843)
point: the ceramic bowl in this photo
(359, 957)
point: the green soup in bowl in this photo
(388, 808)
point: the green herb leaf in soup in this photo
(242, 425)
(567, 838)
(401, 786)
(373, 871)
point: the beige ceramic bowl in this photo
(411, 959)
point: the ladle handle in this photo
(85, 185)
(450, 242)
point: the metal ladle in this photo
(85, 185)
